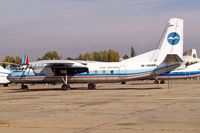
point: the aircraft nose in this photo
(9, 77)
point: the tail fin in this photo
(171, 42)
(25, 60)
(191, 52)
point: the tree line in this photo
(104, 55)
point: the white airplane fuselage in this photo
(3, 75)
(165, 58)
(191, 71)
(97, 72)
(116, 72)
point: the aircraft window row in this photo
(103, 72)
(21, 69)
(39, 65)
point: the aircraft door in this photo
(122, 71)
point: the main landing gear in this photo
(159, 82)
(65, 86)
(123, 82)
(5, 85)
(24, 87)
(91, 86)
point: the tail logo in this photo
(173, 38)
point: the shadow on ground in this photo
(84, 88)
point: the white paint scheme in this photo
(163, 59)
(190, 68)
(3, 75)
(174, 25)
(190, 71)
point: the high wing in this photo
(58, 67)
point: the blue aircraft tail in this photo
(25, 60)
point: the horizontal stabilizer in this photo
(171, 62)
(172, 59)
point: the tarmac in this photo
(140, 107)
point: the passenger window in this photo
(111, 71)
(103, 71)
(95, 71)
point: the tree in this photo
(113, 56)
(18, 59)
(125, 56)
(80, 57)
(97, 56)
(105, 55)
(51, 55)
(133, 53)
(69, 58)
(88, 56)
(12, 59)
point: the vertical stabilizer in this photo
(25, 60)
(171, 42)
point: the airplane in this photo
(190, 68)
(165, 58)
(3, 76)
(8, 67)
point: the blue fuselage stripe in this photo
(180, 73)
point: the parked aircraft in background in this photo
(190, 68)
(9, 67)
(3, 76)
(165, 58)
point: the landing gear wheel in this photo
(65, 87)
(123, 83)
(156, 82)
(5, 85)
(162, 82)
(91, 86)
(24, 87)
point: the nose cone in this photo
(3, 75)
(15, 75)
(20, 76)
(10, 77)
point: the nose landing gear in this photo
(91, 86)
(24, 87)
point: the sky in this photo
(71, 27)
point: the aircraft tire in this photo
(91, 86)
(162, 81)
(24, 87)
(65, 87)
(123, 83)
(5, 85)
(156, 82)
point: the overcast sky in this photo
(77, 26)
